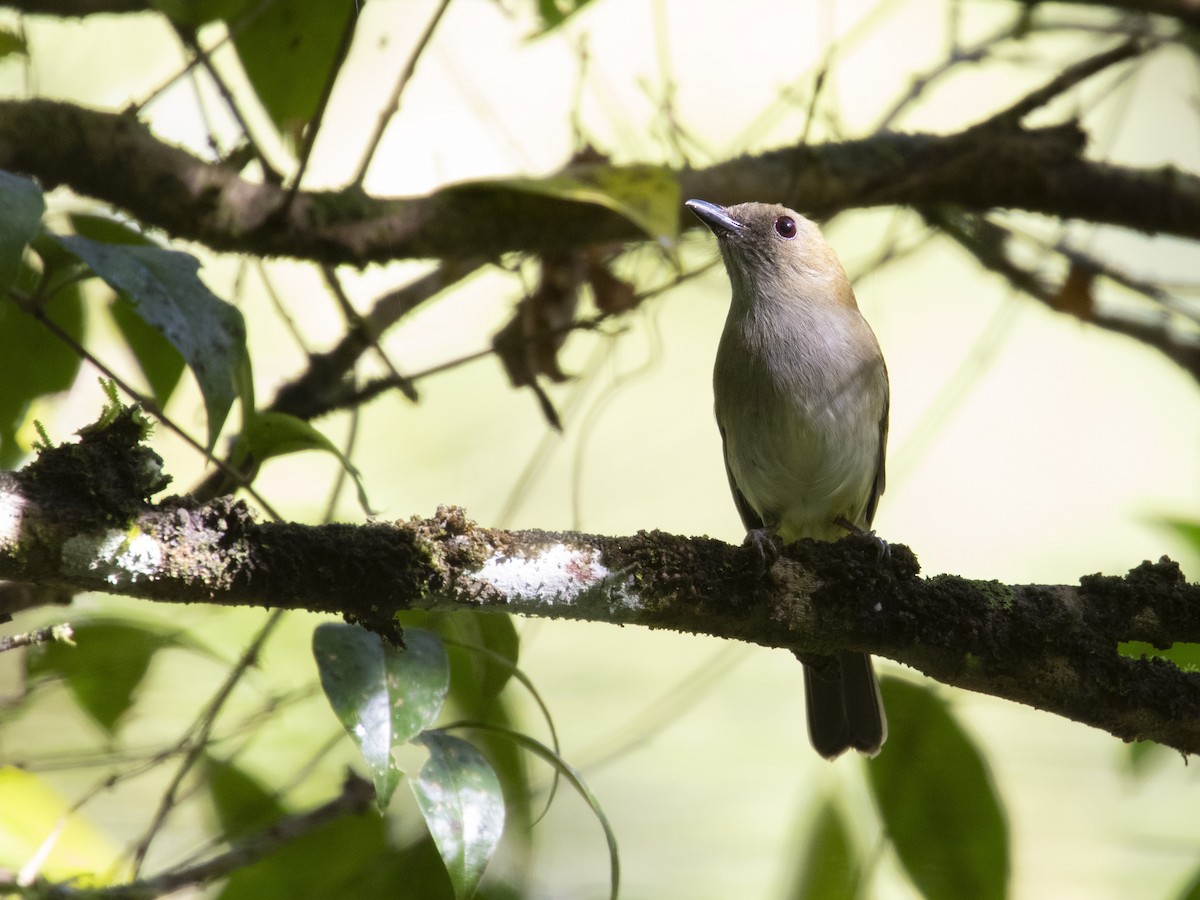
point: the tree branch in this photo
(116, 159)
(76, 517)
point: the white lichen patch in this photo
(557, 575)
(12, 510)
(119, 557)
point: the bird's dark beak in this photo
(715, 217)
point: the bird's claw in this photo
(764, 547)
(882, 547)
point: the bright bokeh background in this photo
(1025, 446)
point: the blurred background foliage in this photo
(1028, 445)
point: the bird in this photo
(801, 399)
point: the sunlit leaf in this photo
(268, 434)
(166, 291)
(22, 204)
(35, 819)
(829, 869)
(383, 695)
(105, 666)
(937, 799)
(648, 196)
(573, 778)
(483, 649)
(460, 798)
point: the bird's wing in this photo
(880, 473)
(750, 518)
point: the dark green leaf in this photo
(36, 362)
(1191, 890)
(12, 44)
(337, 859)
(104, 668)
(194, 13)
(496, 634)
(167, 293)
(243, 806)
(160, 362)
(107, 230)
(23, 205)
(460, 798)
(382, 695)
(830, 869)
(288, 51)
(937, 800)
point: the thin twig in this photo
(199, 733)
(61, 632)
(393, 105)
(314, 124)
(355, 799)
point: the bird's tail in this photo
(845, 710)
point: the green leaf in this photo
(105, 667)
(937, 800)
(194, 13)
(1191, 890)
(573, 778)
(1186, 529)
(383, 696)
(23, 205)
(269, 433)
(830, 869)
(288, 51)
(460, 798)
(36, 362)
(1185, 656)
(107, 230)
(243, 806)
(167, 294)
(12, 44)
(483, 650)
(648, 196)
(338, 859)
(161, 363)
(554, 12)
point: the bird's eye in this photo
(785, 227)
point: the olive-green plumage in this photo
(801, 395)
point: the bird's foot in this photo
(763, 548)
(881, 545)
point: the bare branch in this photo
(1052, 647)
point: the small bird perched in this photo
(801, 395)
